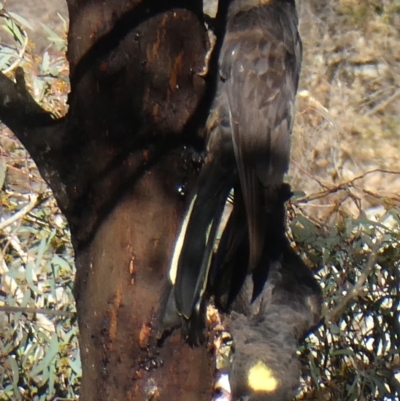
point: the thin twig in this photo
(332, 315)
(383, 104)
(342, 186)
(319, 182)
(49, 312)
(16, 216)
(316, 105)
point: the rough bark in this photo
(115, 164)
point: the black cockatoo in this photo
(248, 144)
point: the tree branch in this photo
(49, 312)
(32, 125)
(15, 100)
(43, 136)
(24, 211)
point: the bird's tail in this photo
(229, 268)
(193, 250)
(229, 265)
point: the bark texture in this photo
(115, 164)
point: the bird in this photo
(266, 317)
(248, 135)
(266, 332)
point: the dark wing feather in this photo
(216, 179)
(196, 251)
(261, 67)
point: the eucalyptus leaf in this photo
(48, 358)
(29, 277)
(4, 61)
(15, 375)
(21, 20)
(15, 31)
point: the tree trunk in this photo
(115, 164)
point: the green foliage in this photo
(38, 333)
(14, 26)
(39, 354)
(354, 353)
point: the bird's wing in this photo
(260, 64)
